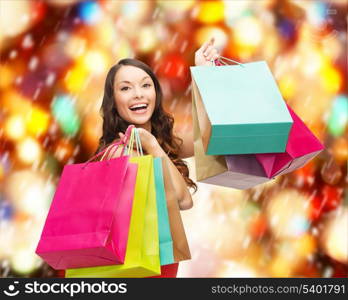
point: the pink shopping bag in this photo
(88, 221)
(302, 146)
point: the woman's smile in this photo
(139, 108)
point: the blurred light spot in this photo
(37, 121)
(14, 127)
(29, 151)
(89, 12)
(339, 116)
(24, 261)
(76, 78)
(248, 32)
(330, 78)
(16, 19)
(75, 46)
(63, 110)
(210, 12)
(95, 62)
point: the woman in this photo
(133, 95)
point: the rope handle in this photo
(116, 145)
(135, 138)
(125, 140)
(220, 61)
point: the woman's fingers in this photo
(214, 55)
(207, 45)
(211, 53)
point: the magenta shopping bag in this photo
(302, 146)
(88, 221)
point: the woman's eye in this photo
(125, 88)
(147, 85)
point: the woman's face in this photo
(135, 95)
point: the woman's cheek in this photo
(122, 107)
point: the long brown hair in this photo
(161, 122)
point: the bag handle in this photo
(114, 145)
(131, 137)
(221, 59)
(135, 138)
(125, 140)
(139, 142)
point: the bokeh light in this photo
(339, 116)
(37, 121)
(14, 127)
(210, 11)
(335, 237)
(90, 12)
(29, 151)
(64, 112)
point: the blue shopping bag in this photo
(165, 236)
(240, 109)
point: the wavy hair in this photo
(161, 122)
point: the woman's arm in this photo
(203, 57)
(186, 149)
(175, 183)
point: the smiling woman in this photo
(133, 95)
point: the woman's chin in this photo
(141, 120)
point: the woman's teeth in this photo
(138, 107)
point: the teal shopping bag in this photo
(165, 236)
(240, 109)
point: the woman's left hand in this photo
(148, 142)
(207, 53)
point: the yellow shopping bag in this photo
(142, 256)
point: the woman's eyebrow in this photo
(130, 82)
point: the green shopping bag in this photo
(142, 255)
(165, 236)
(240, 109)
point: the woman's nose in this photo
(137, 92)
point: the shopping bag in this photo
(240, 171)
(181, 247)
(168, 271)
(240, 109)
(142, 255)
(88, 220)
(168, 267)
(302, 146)
(165, 237)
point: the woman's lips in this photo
(139, 108)
(139, 111)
